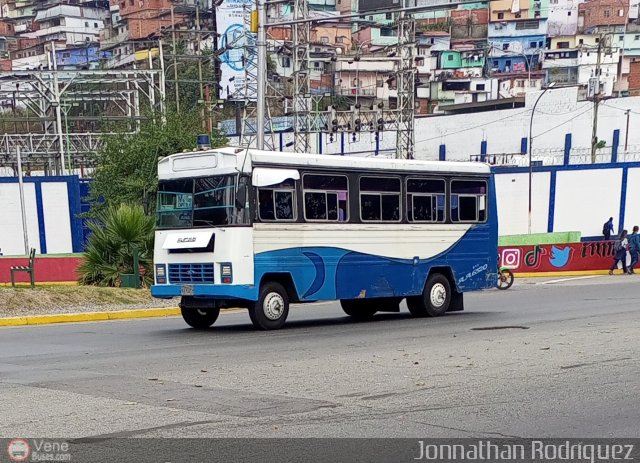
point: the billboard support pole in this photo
(261, 44)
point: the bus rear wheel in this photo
(434, 300)
(358, 310)
(199, 317)
(271, 309)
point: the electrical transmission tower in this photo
(306, 121)
(301, 77)
(59, 118)
(405, 138)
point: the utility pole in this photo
(626, 132)
(261, 45)
(162, 82)
(197, 50)
(58, 110)
(25, 233)
(596, 102)
(175, 65)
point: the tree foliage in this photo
(126, 166)
(115, 232)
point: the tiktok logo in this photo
(532, 258)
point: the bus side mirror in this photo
(241, 194)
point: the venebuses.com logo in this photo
(18, 450)
(32, 450)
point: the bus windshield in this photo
(198, 202)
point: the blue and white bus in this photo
(259, 230)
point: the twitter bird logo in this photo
(560, 256)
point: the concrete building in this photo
(516, 36)
(69, 24)
(85, 57)
(365, 78)
(629, 47)
(517, 84)
(7, 39)
(563, 17)
(573, 60)
(469, 28)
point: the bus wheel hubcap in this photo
(273, 306)
(438, 295)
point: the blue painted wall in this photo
(75, 209)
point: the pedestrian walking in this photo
(634, 248)
(607, 229)
(620, 252)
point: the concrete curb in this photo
(89, 316)
(96, 316)
(576, 273)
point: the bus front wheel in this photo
(434, 300)
(271, 309)
(199, 318)
(357, 309)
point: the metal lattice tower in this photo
(249, 97)
(51, 137)
(301, 77)
(250, 92)
(405, 138)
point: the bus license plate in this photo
(186, 290)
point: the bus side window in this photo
(425, 200)
(379, 199)
(468, 200)
(325, 197)
(277, 202)
(265, 202)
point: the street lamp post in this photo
(533, 110)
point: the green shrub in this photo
(109, 252)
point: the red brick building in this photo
(145, 17)
(601, 13)
(634, 78)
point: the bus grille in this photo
(190, 273)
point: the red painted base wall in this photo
(571, 257)
(592, 255)
(47, 269)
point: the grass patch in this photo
(14, 301)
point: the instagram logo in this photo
(511, 258)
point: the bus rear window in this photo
(468, 201)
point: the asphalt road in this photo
(544, 359)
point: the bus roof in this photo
(242, 159)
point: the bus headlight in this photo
(161, 277)
(226, 273)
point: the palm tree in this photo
(115, 234)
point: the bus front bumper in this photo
(248, 292)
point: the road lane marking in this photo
(550, 282)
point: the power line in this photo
(472, 128)
(563, 123)
(620, 109)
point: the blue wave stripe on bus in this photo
(319, 280)
(326, 273)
